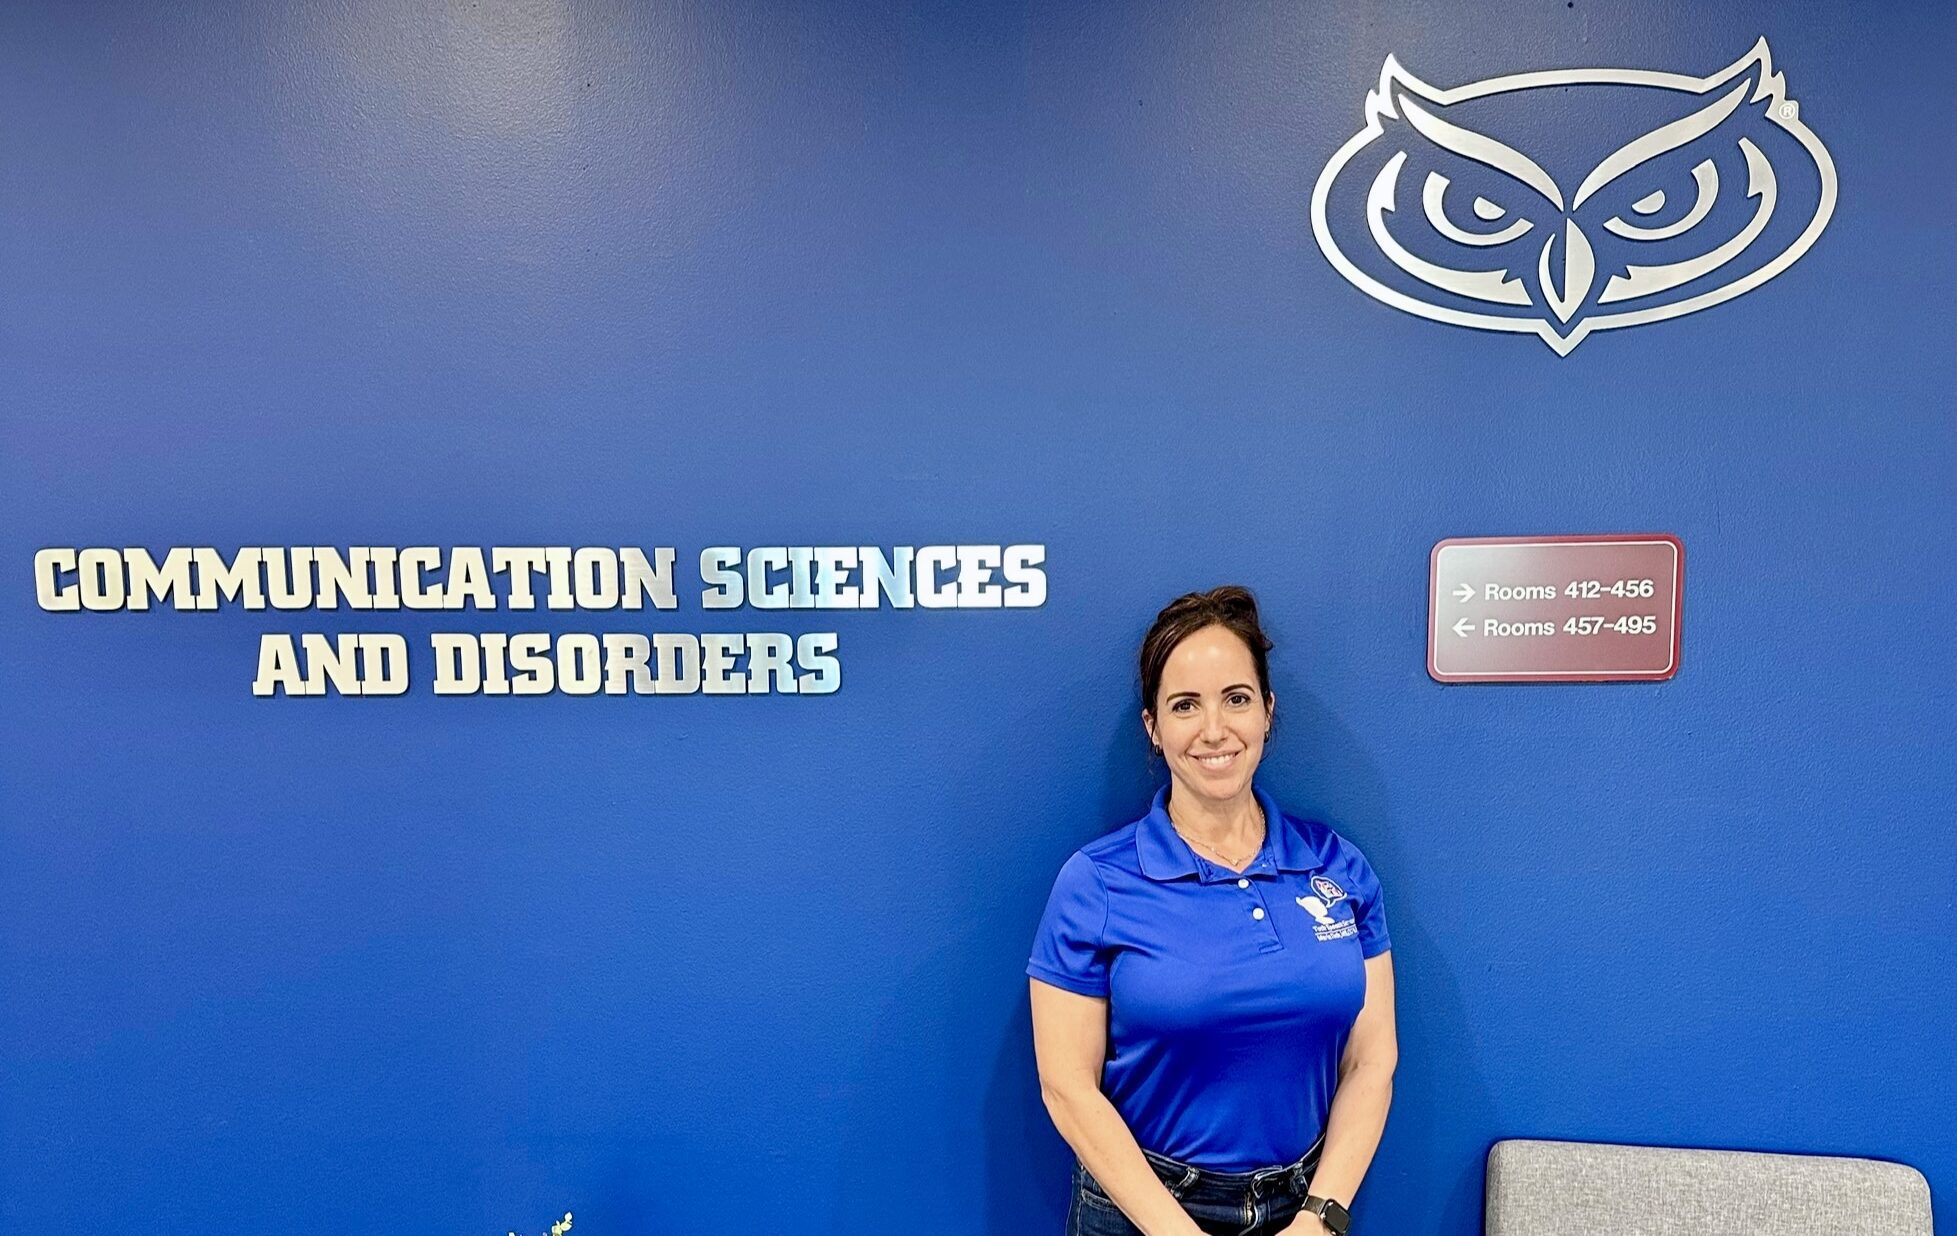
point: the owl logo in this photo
(1327, 894)
(1652, 195)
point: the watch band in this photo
(1333, 1215)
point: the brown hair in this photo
(1231, 607)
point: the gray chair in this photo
(1540, 1188)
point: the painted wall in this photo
(749, 274)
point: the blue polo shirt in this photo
(1230, 995)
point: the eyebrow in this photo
(1235, 686)
(1658, 141)
(1482, 149)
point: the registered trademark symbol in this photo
(1790, 110)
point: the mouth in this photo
(1217, 762)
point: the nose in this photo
(1579, 270)
(1214, 731)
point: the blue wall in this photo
(587, 273)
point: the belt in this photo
(1295, 1176)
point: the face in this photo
(1210, 720)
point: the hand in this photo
(1307, 1224)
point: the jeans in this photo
(1258, 1203)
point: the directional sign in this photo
(1555, 608)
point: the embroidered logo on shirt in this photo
(1320, 906)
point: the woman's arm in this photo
(1365, 1091)
(1070, 1042)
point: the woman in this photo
(1212, 985)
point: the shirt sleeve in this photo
(1368, 903)
(1070, 950)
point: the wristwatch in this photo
(1333, 1215)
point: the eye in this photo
(1705, 180)
(1433, 199)
(1182, 706)
(1239, 698)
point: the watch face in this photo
(1335, 1216)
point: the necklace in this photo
(1235, 864)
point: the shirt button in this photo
(1258, 912)
(1243, 883)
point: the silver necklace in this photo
(1238, 864)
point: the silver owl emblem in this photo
(1655, 195)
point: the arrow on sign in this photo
(1464, 592)
(1464, 626)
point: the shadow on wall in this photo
(956, 1022)
(1028, 1166)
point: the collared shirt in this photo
(1230, 995)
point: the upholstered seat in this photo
(1542, 1188)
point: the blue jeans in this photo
(1259, 1203)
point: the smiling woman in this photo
(1212, 986)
